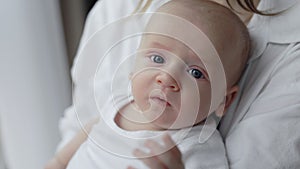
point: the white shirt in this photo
(261, 129)
(261, 132)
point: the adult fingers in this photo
(168, 155)
(151, 161)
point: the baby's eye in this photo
(157, 59)
(196, 73)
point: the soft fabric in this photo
(109, 146)
(261, 128)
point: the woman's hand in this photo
(170, 159)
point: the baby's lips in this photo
(160, 100)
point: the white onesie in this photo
(109, 146)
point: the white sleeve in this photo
(103, 13)
(68, 124)
(268, 136)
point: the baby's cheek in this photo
(136, 88)
(189, 110)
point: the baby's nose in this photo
(167, 81)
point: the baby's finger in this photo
(151, 162)
(130, 167)
(170, 158)
(170, 144)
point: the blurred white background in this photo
(35, 86)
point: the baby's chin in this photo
(173, 125)
(166, 118)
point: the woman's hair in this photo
(247, 5)
(141, 8)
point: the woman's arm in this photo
(64, 155)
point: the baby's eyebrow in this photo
(195, 59)
(160, 46)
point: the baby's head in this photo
(170, 81)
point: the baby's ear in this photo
(230, 96)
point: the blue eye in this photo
(157, 59)
(196, 73)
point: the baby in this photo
(172, 87)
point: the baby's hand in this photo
(170, 159)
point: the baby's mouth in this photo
(158, 97)
(160, 100)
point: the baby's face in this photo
(170, 84)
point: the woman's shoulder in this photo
(114, 9)
(281, 28)
(284, 27)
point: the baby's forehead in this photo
(212, 22)
(196, 10)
